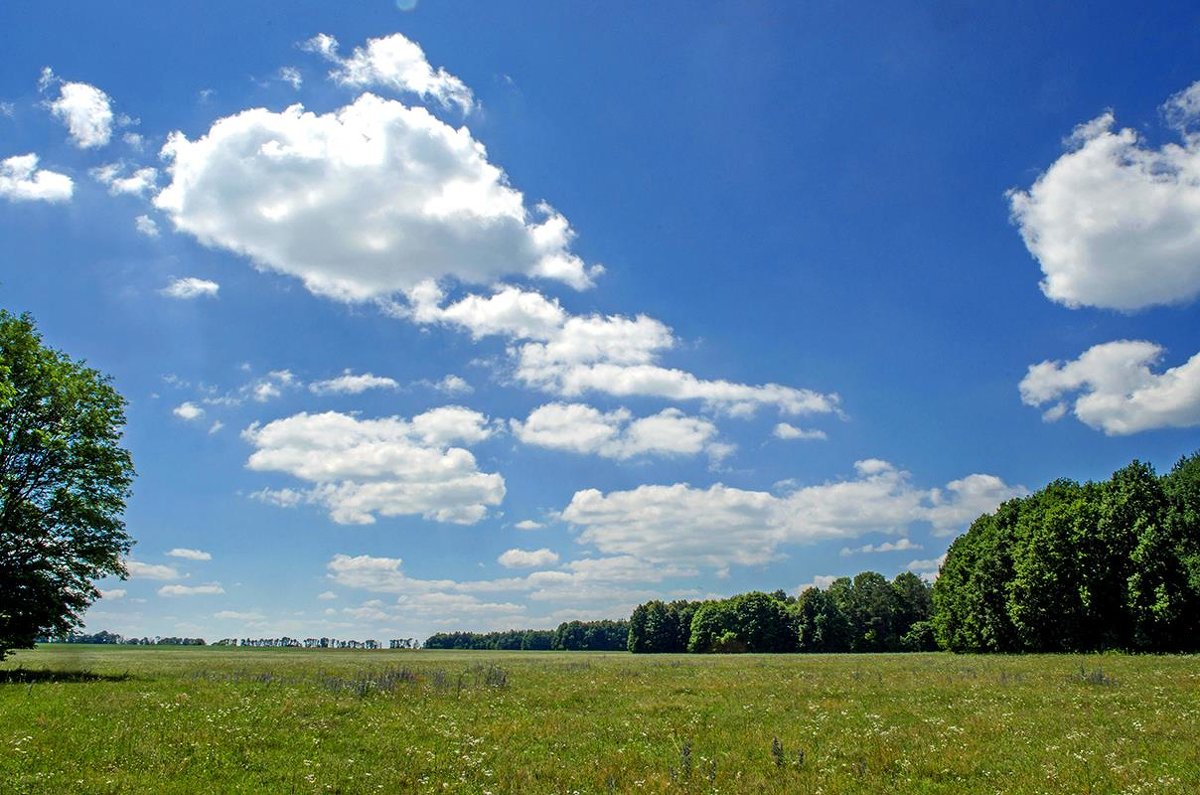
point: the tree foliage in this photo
(506, 640)
(1080, 567)
(64, 480)
(659, 627)
(866, 613)
(604, 635)
(749, 622)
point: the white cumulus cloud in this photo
(528, 558)
(291, 75)
(454, 385)
(361, 203)
(189, 554)
(1115, 222)
(349, 383)
(85, 109)
(190, 286)
(145, 225)
(1111, 387)
(150, 571)
(615, 583)
(570, 355)
(723, 525)
(393, 62)
(579, 428)
(22, 181)
(360, 468)
(887, 546)
(191, 590)
(789, 432)
(139, 182)
(188, 411)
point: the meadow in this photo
(111, 719)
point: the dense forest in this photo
(1080, 567)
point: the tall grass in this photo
(110, 720)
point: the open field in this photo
(87, 719)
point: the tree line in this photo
(112, 638)
(861, 614)
(604, 635)
(1074, 567)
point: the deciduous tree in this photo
(64, 480)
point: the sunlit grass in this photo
(186, 720)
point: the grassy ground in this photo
(78, 719)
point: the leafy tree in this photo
(912, 600)
(1164, 591)
(821, 627)
(764, 622)
(754, 622)
(658, 627)
(710, 624)
(1112, 565)
(919, 637)
(869, 605)
(64, 480)
(604, 635)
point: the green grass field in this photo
(88, 719)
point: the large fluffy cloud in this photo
(570, 355)
(1115, 222)
(394, 62)
(720, 525)
(579, 428)
(22, 181)
(360, 468)
(1111, 387)
(361, 203)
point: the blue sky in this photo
(477, 315)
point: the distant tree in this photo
(679, 623)
(913, 601)
(713, 621)
(869, 605)
(754, 622)
(821, 627)
(64, 480)
(764, 622)
(658, 627)
(603, 635)
(506, 640)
